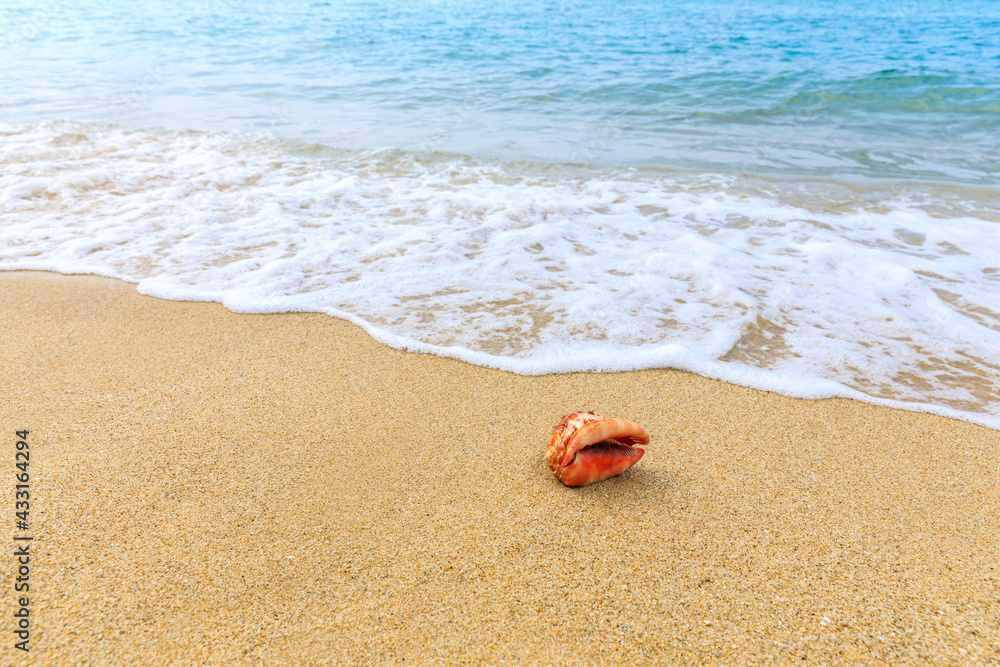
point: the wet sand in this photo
(216, 488)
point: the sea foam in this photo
(887, 295)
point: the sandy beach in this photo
(217, 488)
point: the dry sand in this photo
(215, 488)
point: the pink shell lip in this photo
(623, 432)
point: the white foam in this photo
(530, 269)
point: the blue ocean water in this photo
(887, 90)
(799, 196)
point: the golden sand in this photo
(215, 488)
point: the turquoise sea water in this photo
(798, 196)
(883, 90)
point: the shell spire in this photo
(586, 448)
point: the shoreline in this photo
(224, 487)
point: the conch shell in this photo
(586, 448)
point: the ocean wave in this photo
(883, 292)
